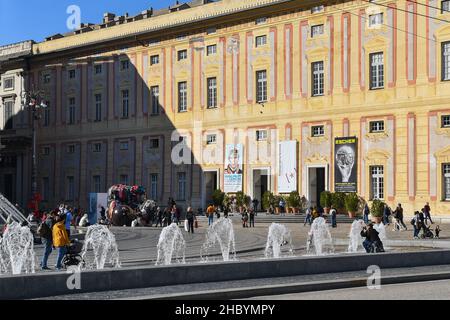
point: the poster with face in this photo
(233, 168)
(345, 165)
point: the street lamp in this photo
(35, 102)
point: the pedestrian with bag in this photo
(252, 218)
(45, 232)
(190, 217)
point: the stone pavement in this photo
(137, 246)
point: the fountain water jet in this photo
(221, 231)
(17, 249)
(355, 236)
(171, 242)
(319, 238)
(278, 236)
(103, 243)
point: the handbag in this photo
(196, 224)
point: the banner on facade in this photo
(233, 174)
(96, 202)
(345, 164)
(287, 170)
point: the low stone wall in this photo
(53, 284)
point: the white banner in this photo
(287, 172)
(234, 157)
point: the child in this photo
(436, 231)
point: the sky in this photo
(37, 19)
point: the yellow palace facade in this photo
(251, 75)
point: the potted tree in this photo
(218, 198)
(242, 200)
(338, 201)
(326, 198)
(268, 201)
(377, 210)
(352, 204)
(293, 201)
(276, 200)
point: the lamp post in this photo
(35, 102)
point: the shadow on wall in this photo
(105, 124)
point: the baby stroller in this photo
(427, 233)
(73, 257)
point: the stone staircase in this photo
(262, 217)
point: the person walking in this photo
(245, 218)
(210, 212)
(398, 214)
(167, 217)
(427, 213)
(45, 232)
(333, 217)
(282, 205)
(255, 203)
(252, 218)
(159, 217)
(386, 214)
(366, 213)
(173, 213)
(190, 217)
(60, 239)
(69, 217)
(417, 224)
(308, 217)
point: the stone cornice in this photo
(158, 23)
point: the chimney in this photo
(108, 17)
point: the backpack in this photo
(44, 230)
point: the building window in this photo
(124, 65)
(72, 115)
(377, 182)
(154, 94)
(9, 112)
(446, 121)
(124, 145)
(212, 92)
(154, 186)
(96, 184)
(317, 30)
(376, 126)
(182, 96)
(47, 115)
(261, 41)
(210, 50)
(181, 186)
(261, 20)
(125, 104)
(376, 71)
(46, 151)
(211, 139)
(45, 189)
(261, 135)
(98, 107)
(154, 60)
(211, 30)
(8, 84)
(71, 148)
(182, 55)
(97, 147)
(154, 144)
(261, 86)
(317, 9)
(317, 79)
(317, 131)
(98, 69)
(124, 179)
(446, 61)
(446, 179)
(70, 196)
(72, 74)
(445, 6)
(375, 19)
(46, 78)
